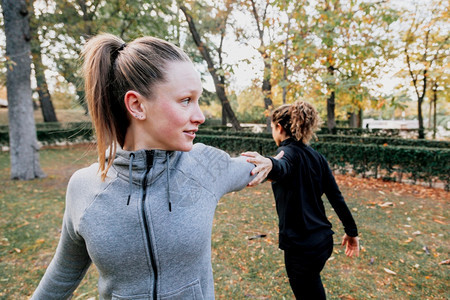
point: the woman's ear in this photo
(134, 104)
(279, 128)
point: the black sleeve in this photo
(337, 201)
(282, 167)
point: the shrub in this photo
(394, 162)
(391, 141)
(368, 132)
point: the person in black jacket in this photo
(299, 179)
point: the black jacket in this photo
(300, 178)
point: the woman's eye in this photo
(186, 101)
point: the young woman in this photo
(299, 179)
(143, 214)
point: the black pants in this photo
(303, 268)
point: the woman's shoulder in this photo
(207, 153)
(87, 181)
(85, 174)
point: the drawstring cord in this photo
(168, 181)
(130, 178)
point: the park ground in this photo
(405, 247)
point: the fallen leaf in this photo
(439, 221)
(445, 262)
(389, 271)
(409, 240)
(40, 241)
(416, 232)
(386, 204)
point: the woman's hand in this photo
(352, 245)
(263, 166)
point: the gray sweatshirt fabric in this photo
(149, 235)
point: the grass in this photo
(396, 223)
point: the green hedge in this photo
(208, 131)
(391, 141)
(395, 162)
(390, 162)
(367, 132)
(236, 145)
(54, 126)
(56, 132)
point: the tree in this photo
(217, 74)
(71, 23)
(349, 42)
(48, 111)
(439, 80)
(260, 17)
(426, 42)
(22, 130)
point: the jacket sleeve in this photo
(284, 166)
(221, 173)
(337, 201)
(70, 262)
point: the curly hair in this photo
(300, 120)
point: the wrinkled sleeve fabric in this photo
(337, 201)
(71, 260)
(220, 172)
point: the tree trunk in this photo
(266, 85)
(285, 61)
(435, 87)
(360, 118)
(22, 129)
(419, 113)
(419, 105)
(267, 92)
(220, 89)
(331, 119)
(352, 120)
(48, 112)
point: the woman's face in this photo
(173, 113)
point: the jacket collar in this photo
(291, 140)
(140, 162)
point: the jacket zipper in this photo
(150, 156)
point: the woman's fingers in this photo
(250, 154)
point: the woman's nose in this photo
(197, 116)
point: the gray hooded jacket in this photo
(147, 227)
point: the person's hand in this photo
(352, 245)
(263, 166)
